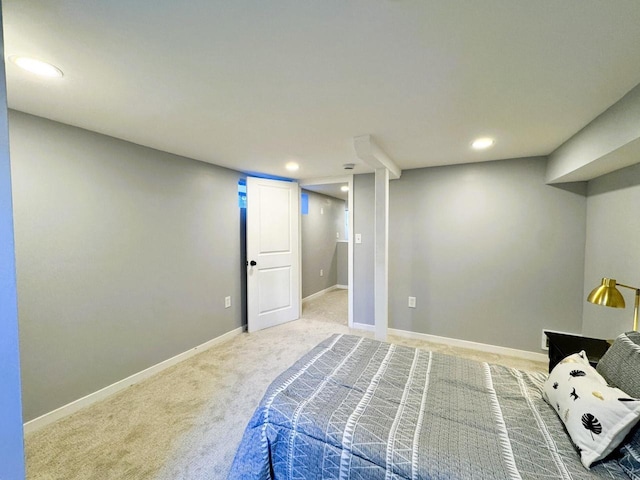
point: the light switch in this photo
(358, 238)
(412, 302)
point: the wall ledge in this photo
(611, 141)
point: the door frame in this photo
(348, 179)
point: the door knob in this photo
(253, 263)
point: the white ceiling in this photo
(330, 189)
(252, 84)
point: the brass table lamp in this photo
(608, 295)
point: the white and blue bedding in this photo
(361, 409)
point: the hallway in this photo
(331, 307)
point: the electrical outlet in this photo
(545, 341)
(412, 302)
(338, 235)
(227, 302)
(321, 211)
(321, 273)
(358, 238)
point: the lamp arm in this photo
(636, 304)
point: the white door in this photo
(273, 253)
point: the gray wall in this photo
(11, 453)
(124, 256)
(363, 253)
(343, 263)
(612, 248)
(318, 238)
(481, 246)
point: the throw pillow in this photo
(596, 415)
(620, 365)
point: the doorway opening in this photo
(326, 249)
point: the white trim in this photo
(299, 256)
(364, 326)
(319, 294)
(342, 287)
(350, 250)
(483, 347)
(68, 409)
(381, 255)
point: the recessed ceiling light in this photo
(292, 166)
(482, 143)
(344, 188)
(38, 67)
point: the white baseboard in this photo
(319, 294)
(364, 326)
(343, 287)
(65, 410)
(483, 347)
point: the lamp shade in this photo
(607, 294)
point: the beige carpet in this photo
(331, 307)
(186, 422)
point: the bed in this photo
(357, 408)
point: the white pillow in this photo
(597, 416)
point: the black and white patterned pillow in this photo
(596, 415)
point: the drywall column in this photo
(381, 272)
(350, 237)
(12, 451)
(369, 152)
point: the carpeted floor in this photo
(186, 422)
(331, 307)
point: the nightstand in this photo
(562, 345)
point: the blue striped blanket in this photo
(357, 408)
